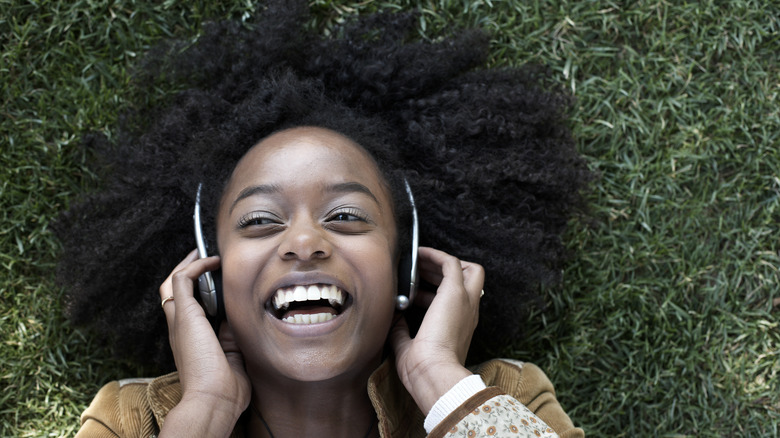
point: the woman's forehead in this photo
(306, 155)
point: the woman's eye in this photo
(345, 217)
(258, 221)
(348, 221)
(255, 220)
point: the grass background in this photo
(667, 321)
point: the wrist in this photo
(428, 386)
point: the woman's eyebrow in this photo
(264, 189)
(350, 187)
(267, 189)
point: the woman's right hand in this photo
(215, 386)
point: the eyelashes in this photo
(348, 215)
(259, 219)
(339, 215)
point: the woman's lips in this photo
(308, 304)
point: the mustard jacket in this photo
(137, 407)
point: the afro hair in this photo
(487, 152)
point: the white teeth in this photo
(300, 293)
(308, 319)
(313, 292)
(336, 297)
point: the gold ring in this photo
(481, 294)
(165, 300)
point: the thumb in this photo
(399, 336)
(228, 342)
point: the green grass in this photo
(667, 321)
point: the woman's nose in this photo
(305, 240)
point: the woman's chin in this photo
(317, 352)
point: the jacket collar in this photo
(393, 404)
(395, 408)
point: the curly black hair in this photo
(487, 153)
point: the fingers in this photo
(209, 365)
(180, 285)
(228, 343)
(449, 273)
(399, 336)
(166, 289)
(473, 279)
(452, 314)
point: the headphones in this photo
(210, 285)
(210, 290)
(407, 266)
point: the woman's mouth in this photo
(308, 304)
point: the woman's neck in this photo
(339, 407)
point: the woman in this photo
(303, 147)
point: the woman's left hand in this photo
(433, 361)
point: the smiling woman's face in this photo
(306, 235)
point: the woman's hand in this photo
(433, 362)
(215, 386)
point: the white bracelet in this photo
(452, 399)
